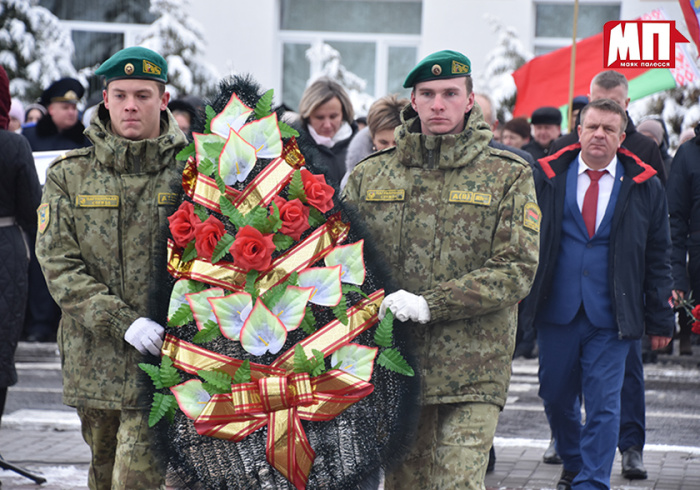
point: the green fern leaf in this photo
(231, 212)
(169, 375)
(316, 218)
(153, 373)
(341, 311)
(308, 324)
(242, 374)
(210, 113)
(220, 182)
(282, 242)
(392, 360)
(286, 131)
(317, 363)
(351, 288)
(217, 380)
(190, 252)
(222, 247)
(208, 333)
(264, 106)
(163, 405)
(201, 212)
(250, 286)
(182, 316)
(186, 152)
(301, 363)
(257, 218)
(296, 187)
(206, 167)
(384, 334)
(275, 222)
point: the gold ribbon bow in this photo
(277, 397)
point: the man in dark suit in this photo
(604, 277)
(613, 85)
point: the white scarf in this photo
(344, 132)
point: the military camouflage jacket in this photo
(458, 223)
(100, 229)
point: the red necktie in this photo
(590, 201)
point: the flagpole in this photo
(572, 71)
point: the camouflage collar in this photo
(128, 156)
(415, 149)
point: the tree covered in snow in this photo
(179, 38)
(35, 49)
(508, 55)
(678, 108)
(326, 61)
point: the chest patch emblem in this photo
(91, 201)
(385, 195)
(532, 216)
(468, 197)
(167, 199)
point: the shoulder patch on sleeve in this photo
(532, 216)
(43, 217)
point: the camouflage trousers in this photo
(120, 443)
(451, 450)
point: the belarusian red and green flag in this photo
(544, 80)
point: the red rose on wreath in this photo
(252, 249)
(182, 224)
(207, 235)
(318, 193)
(696, 322)
(294, 215)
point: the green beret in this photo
(135, 62)
(443, 64)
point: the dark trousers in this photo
(43, 314)
(633, 408)
(577, 360)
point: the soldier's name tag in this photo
(385, 195)
(167, 199)
(468, 197)
(96, 201)
(532, 216)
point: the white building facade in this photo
(380, 40)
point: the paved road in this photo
(41, 434)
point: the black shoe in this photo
(633, 465)
(565, 479)
(492, 460)
(550, 455)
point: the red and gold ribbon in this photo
(226, 275)
(202, 189)
(279, 398)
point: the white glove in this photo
(406, 306)
(146, 335)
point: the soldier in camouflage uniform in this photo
(459, 225)
(101, 215)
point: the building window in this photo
(377, 40)
(554, 22)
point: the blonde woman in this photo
(328, 117)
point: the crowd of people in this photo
(506, 239)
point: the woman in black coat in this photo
(328, 118)
(20, 194)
